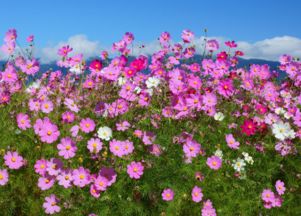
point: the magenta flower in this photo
(226, 88)
(214, 162)
(280, 187)
(81, 177)
(50, 205)
(46, 182)
(121, 148)
(168, 194)
(135, 170)
(23, 121)
(30, 38)
(231, 142)
(65, 178)
(3, 177)
(13, 160)
(87, 125)
(197, 194)
(109, 174)
(10, 35)
(31, 67)
(94, 145)
(101, 183)
(67, 148)
(63, 51)
(40, 167)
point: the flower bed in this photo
(167, 134)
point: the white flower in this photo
(104, 133)
(283, 131)
(279, 111)
(219, 116)
(121, 81)
(152, 82)
(137, 89)
(219, 153)
(239, 164)
(76, 69)
(32, 86)
(248, 158)
(150, 91)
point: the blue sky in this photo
(106, 21)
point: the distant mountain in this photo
(242, 63)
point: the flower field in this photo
(167, 134)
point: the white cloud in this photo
(269, 49)
(79, 43)
(272, 48)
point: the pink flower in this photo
(191, 149)
(214, 162)
(135, 170)
(81, 177)
(268, 195)
(30, 38)
(95, 66)
(231, 142)
(209, 99)
(54, 166)
(64, 51)
(187, 36)
(31, 67)
(71, 105)
(49, 132)
(226, 88)
(46, 182)
(87, 125)
(40, 167)
(101, 183)
(3, 177)
(231, 44)
(68, 117)
(123, 126)
(280, 187)
(121, 148)
(50, 205)
(46, 106)
(94, 145)
(10, 35)
(67, 148)
(23, 121)
(65, 178)
(168, 194)
(212, 45)
(13, 160)
(208, 209)
(197, 194)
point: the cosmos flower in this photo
(67, 148)
(23, 121)
(104, 133)
(167, 194)
(283, 131)
(81, 177)
(3, 177)
(280, 187)
(94, 145)
(248, 127)
(135, 170)
(214, 162)
(231, 142)
(197, 194)
(87, 125)
(50, 205)
(13, 160)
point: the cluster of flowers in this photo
(271, 199)
(64, 110)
